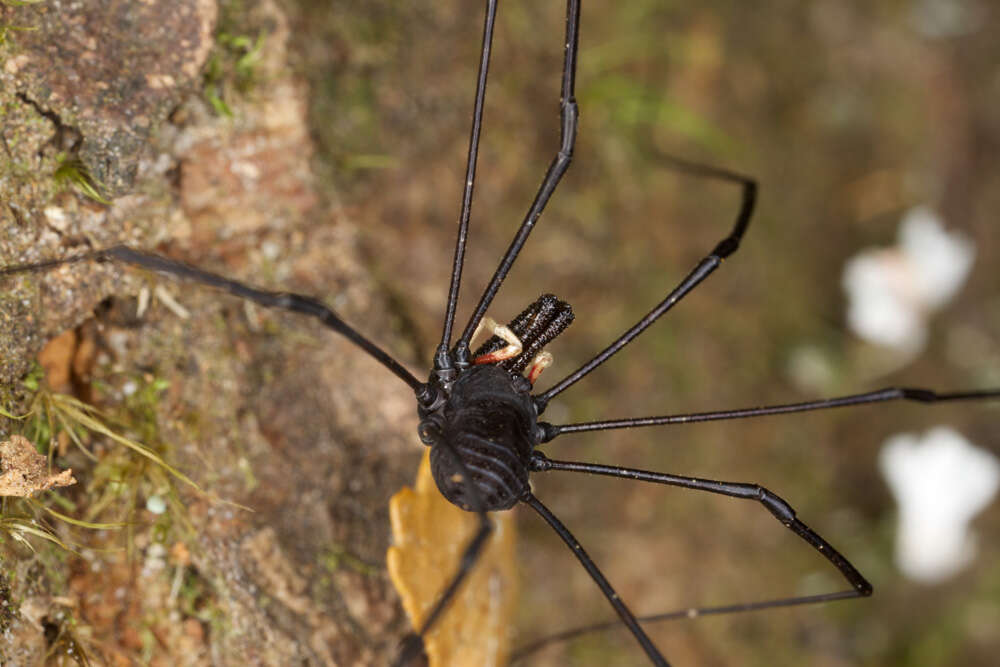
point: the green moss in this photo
(73, 173)
(62, 640)
(231, 69)
(197, 599)
(121, 478)
(336, 557)
(6, 30)
(8, 609)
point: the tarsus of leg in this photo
(781, 510)
(688, 613)
(774, 504)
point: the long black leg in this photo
(568, 113)
(705, 267)
(879, 396)
(412, 646)
(781, 510)
(688, 613)
(623, 612)
(442, 361)
(774, 504)
(296, 303)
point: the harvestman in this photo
(477, 410)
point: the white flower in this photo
(891, 291)
(156, 505)
(940, 483)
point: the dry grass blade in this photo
(87, 416)
(19, 527)
(91, 525)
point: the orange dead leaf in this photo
(429, 535)
(57, 360)
(69, 358)
(23, 471)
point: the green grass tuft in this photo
(73, 173)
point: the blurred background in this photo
(849, 114)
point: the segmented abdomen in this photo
(491, 427)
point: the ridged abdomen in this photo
(489, 421)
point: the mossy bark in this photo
(262, 409)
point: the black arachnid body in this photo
(477, 410)
(489, 417)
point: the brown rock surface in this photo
(304, 434)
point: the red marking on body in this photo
(539, 364)
(494, 357)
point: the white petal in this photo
(892, 290)
(881, 308)
(941, 259)
(940, 482)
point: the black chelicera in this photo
(478, 412)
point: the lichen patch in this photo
(23, 471)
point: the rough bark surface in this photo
(262, 409)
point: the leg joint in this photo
(570, 116)
(776, 505)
